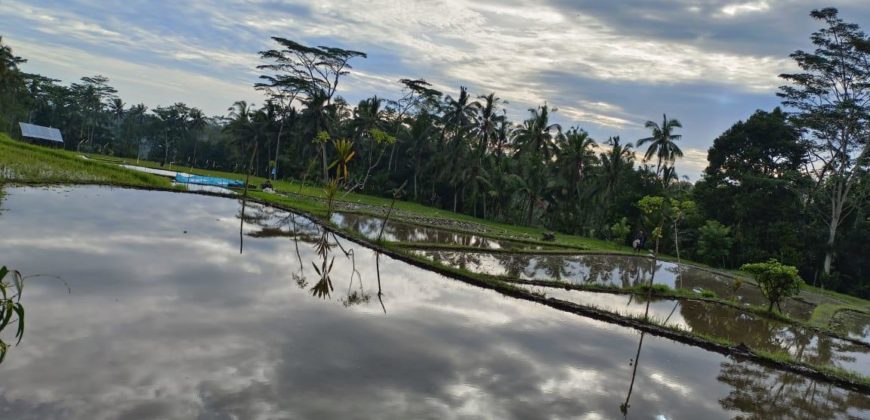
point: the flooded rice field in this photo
(177, 309)
(607, 270)
(396, 231)
(852, 324)
(718, 320)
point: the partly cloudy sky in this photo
(608, 66)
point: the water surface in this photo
(167, 319)
(610, 270)
(396, 231)
(713, 319)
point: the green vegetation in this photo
(776, 281)
(26, 163)
(11, 309)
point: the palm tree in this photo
(196, 123)
(488, 123)
(662, 142)
(241, 125)
(575, 156)
(537, 137)
(418, 139)
(614, 162)
(460, 114)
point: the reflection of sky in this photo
(734, 325)
(614, 270)
(370, 227)
(166, 324)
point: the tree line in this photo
(789, 183)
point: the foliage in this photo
(831, 102)
(776, 281)
(654, 210)
(714, 242)
(619, 231)
(11, 309)
(753, 184)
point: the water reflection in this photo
(179, 325)
(723, 321)
(370, 227)
(613, 270)
(852, 324)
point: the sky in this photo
(607, 66)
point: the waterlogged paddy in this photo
(853, 324)
(608, 270)
(167, 319)
(723, 321)
(370, 227)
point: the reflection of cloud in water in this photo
(182, 326)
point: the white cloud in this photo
(732, 10)
(136, 82)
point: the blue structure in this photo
(208, 180)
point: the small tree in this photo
(776, 281)
(619, 231)
(714, 242)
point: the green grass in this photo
(26, 163)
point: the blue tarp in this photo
(208, 180)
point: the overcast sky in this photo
(608, 66)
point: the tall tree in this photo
(314, 71)
(662, 143)
(830, 99)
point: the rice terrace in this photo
(448, 209)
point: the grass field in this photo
(25, 163)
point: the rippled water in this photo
(612, 270)
(167, 319)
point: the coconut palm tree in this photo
(662, 142)
(488, 123)
(614, 162)
(537, 137)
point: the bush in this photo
(714, 242)
(619, 231)
(776, 281)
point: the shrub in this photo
(776, 281)
(619, 231)
(714, 242)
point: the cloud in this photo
(719, 58)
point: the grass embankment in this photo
(29, 164)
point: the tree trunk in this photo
(836, 212)
(415, 183)
(390, 164)
(278, 147)
(531, 209)
(323, 159)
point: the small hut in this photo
(38, 133)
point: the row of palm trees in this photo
(462, 153)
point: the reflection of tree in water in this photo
(273, 223)
(765, 334)
(552, 267)
(768, 393)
